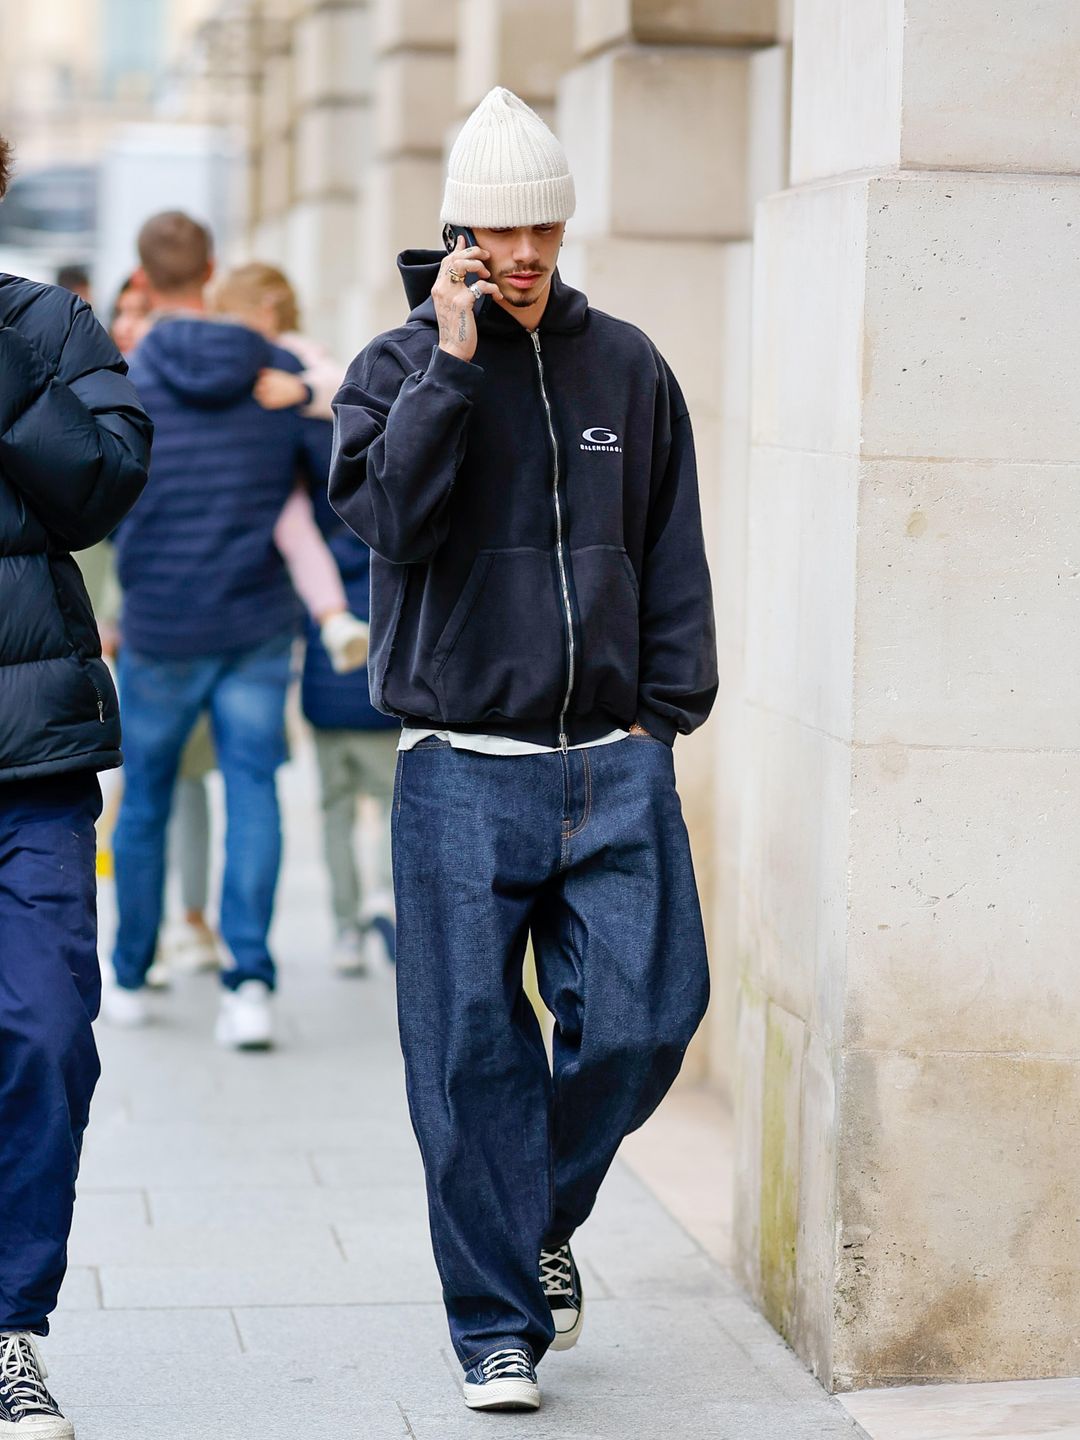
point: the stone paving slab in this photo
(142, 1332)
(253, 1260)
(255, 1204)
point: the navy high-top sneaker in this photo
(562, 1285)
(504, 1380)
(27, 1410)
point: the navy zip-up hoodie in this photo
(196, 559)
(539, 568)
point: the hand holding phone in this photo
(450, 240)
(462, 286)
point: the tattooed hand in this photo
(454, 300)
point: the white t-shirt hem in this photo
(496, 744)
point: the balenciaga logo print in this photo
(599, 437)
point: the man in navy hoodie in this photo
(209, 617)
(541, 622)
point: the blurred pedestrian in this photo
(208, 621)
(76, 278)
(355, 744)
(74, 446)
(245, 296)
(356, 747)
(542, 623)
(131, 314)
(191, 941)
(263, 297)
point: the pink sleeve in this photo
(321, 371)
(312, 568)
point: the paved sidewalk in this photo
(251, 1258)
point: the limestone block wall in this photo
(907, 1058)
(414, 59)
(332, 79)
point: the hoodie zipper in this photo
(559, 550)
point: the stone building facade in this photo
(853, 226)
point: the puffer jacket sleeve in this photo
(678, 668)
(399, 440)
(74, 441)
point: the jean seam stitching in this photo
(588, 797)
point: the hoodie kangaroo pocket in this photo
(607, 597)
(502, 651)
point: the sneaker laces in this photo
(557, 1272)
(22, 1382)
(507, 1365)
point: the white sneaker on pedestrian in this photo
(345, 639)
(246, 1020)
(27, 1410)
(126, 1009)
(349, 951)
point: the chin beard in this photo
(523, 302)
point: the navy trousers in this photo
(50, 989)
(588, 852)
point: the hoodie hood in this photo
(208, 363)
(567, 309)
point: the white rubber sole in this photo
(34, 1427)
(567, 1339)
(502, 1395)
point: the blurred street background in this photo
(853, 228)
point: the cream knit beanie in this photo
(507, 169)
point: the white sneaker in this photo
(345, 639)
(27, 1410)
(127, 1009)
(245, 1020)
(349, 952)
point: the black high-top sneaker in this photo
(504, 1380)
(562, 1285)
(27, 1410)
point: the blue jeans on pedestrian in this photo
(160, 702)
(589, 853)
(50, 990)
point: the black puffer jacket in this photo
(74, 447)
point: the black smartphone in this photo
(450, 238)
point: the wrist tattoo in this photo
(462, 329)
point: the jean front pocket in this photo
(502, 651)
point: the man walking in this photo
(208, 621)
(74, 446)
(542, 624)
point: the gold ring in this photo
(455, 277)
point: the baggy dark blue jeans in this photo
(589, 853)
(160, 701)
(50, 990)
